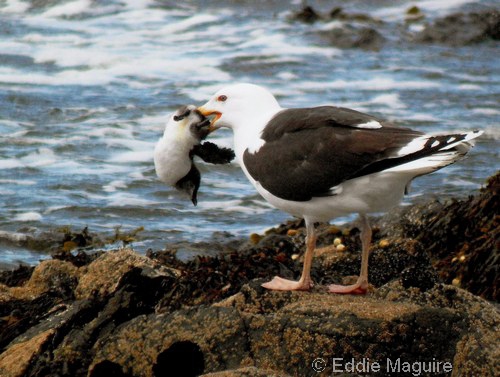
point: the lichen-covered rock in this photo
(16, 360)
(286, 331)
(77, 306)
(49, 275)
(102, 276)
(214, 335)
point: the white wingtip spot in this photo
(370, 125)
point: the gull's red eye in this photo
(222, 98)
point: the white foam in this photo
(332, 25)
(374, 84)
(132, 144)
(201, 92)
(28, 216)
(485, 111)
(72, 77)
(114, 185)
(20, 182)
(137, 175)
(286, 75)
(68, 9)
(429, 7)
(65, 56)
(421, 117)
(15, 6)
(188, 23)
(442, 6)
(390, 100)
(469, 87)
(50, 39)
(10, 163)
(135, 156)
(416, 28)
(5, 192)
(281, 45)
(42, 157)
(51, 209)
(105, 132)
(122, 199)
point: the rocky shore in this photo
(434, 270)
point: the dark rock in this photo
(349, 36)
(19, 315)
(107, 369)
(307, 14)
(16, 277)
(337, 13)
(463, 240)
(461, 237)
(357, 30)
(461, 29)
(414, 14)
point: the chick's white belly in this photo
(171, 162)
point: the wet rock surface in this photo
(123, 314)
(461, 29)
(346, 29)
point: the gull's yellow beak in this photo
(212, 115)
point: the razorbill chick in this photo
(181, 141)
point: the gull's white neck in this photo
(247, 133)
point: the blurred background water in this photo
(86, 87)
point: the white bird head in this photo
(233, 105)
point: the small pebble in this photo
(383, 243)
(340, 248)
(295, 256)
(292, 232)
(337, 241)
(456, 282)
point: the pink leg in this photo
(305, 282)
(361, 285)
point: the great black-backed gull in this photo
(181, 141)
(325, 162)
